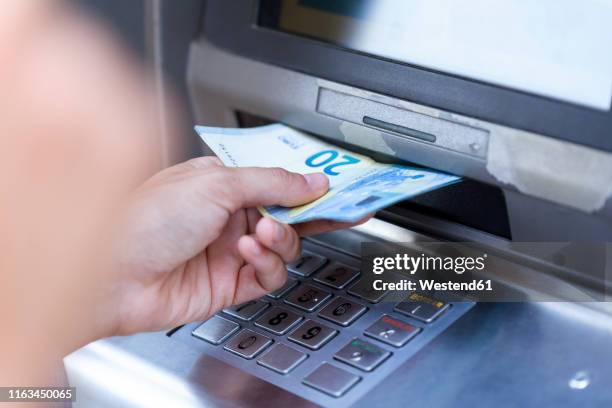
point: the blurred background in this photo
(158, 36)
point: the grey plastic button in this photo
(278, 320)
(336, 275)
(278, 293)
(247, 344)
(421, 307)
(248, 310)
(282, 358)
(216, 330)
(331, 380)
(392, 331)
(312, 334)
(362, 355)
(307, 297)
(342, 311)
(308, 264)
(364, 289)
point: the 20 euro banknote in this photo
(358, 185)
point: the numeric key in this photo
(336, 275)
(278, 320)
(307, 297)
(248, 344)
(312, 334)
(308, 264)
(342, 311)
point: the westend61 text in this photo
(430, 284)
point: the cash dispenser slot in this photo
(405, 123)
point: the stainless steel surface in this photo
(278, 320)
(342, 311)
(336, 275)
(331, 380)
(391, 331)
(312, 334)
(308, 264)
(282, 358)
(248, 344)
(448, 135)
(216, 330)
(362, 355)
(307, 297)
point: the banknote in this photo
(358, 185)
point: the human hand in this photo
(194, 242)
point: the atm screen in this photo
(558, 49)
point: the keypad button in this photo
(312, 334)
(364, 289)
(307, 297)
(336, 275)
(421, 307)
(362, 355)
(278, 320)
(248, 344)
(331, 380)
(282, 358)
(342, 311)
(216, 330)
(278, 293)
(248, 310)
(392, 331)
(308, 264)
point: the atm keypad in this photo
(248, 344)
(312, 334)
(278, 320)
(248, 310)
(342, 311)
(336, 275)
(326, 329)
(307, 297)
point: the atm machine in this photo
(516, 98)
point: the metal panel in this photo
(231, 24)
(446, 134)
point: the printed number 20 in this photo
(328, 156)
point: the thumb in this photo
(254, 186)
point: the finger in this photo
(279, 238)
(253, 186)
(322, 226)
(270, 270)
(253, 217)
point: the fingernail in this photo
(317, 181)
